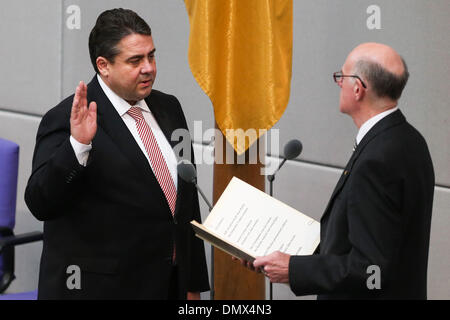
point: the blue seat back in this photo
(9, 164)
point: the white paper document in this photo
(247, 223)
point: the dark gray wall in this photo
(42, 60)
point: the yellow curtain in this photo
(240, 53)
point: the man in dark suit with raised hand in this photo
(105, 181)
(375, 230)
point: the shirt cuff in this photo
(81, 150)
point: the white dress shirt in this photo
(122, 106)
(371, 122)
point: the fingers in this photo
(259, 262)
(247, 264)
(76, 98)
(79, 105)
(262, 264)
(80, 98)
(193, 296)
(243, 262)
(78, 101)
(93, 111)
(83, 121)
(270, 259)
(83, 98)
(250, 266)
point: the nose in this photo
(148, 66)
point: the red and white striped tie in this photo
(154, 153)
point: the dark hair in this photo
(384, 82)
(111, 27)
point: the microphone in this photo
(187, 172)
(292, 150)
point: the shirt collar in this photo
(120, 104)
(371, 122)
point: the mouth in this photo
(146, 83)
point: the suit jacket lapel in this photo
(110, 121)
(389, 121)
(162, 116)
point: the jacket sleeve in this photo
(51, 186)
(375, 232)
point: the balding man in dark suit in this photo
(375, 230)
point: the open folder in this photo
(247, 223)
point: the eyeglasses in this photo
(338, 77)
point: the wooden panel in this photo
(232, 281)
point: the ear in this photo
(103, 66)
(358, 91)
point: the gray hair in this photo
(383, 82)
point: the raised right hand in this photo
(83, 120)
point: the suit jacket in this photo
(111, 218)
(379, 215)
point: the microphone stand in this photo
(271, 178)
(211, 292)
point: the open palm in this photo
(83, 120)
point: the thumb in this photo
(93, 109)
(93, 106)
(259, 262)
